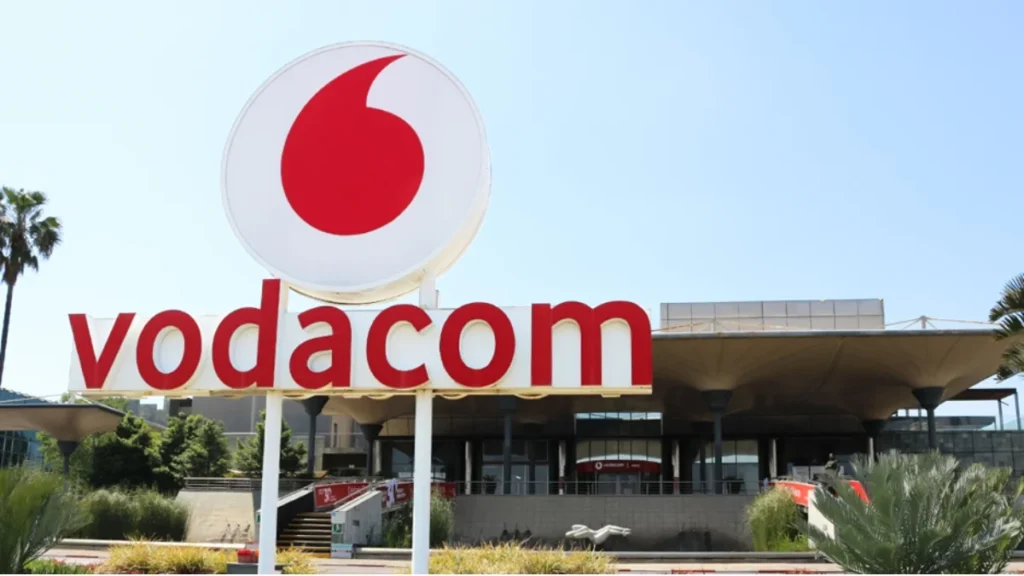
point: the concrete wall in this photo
(219, 515)
(663, 523)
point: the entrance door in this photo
(618, 483)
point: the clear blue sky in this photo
(653, 151)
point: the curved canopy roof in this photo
(867, 374)
(62, 421)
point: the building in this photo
(21, 446)
(742, 391)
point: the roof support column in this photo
(717, 401)
(929, 399)
(1016, 405)
(67, 448)
(370, 433)
(874, 430)
(314, 406)
(507, 406)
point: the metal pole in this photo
(422, 459)
(311, 455)
(1016, 405)
(871, 449)
(773, 463)
(1000, 404)
(506, 456)
(269, 486)
(717, 415)
(421, 482)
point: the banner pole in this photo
(421, 475)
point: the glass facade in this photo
(991, 448)
(740, 467)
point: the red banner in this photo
(618, 466)
(330, 495)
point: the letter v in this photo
(95, 370)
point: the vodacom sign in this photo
(357, 174)
(353, 175)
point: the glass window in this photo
(1003, 459)
(540, 479)
(582, 450)
(539, 451)
(493, 450)
(1018, 441)
(491, 475)
(947, 442)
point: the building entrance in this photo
(618, 483)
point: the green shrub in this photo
(776, 522)
(47, 566)
(147, 558)
(37, 510)
(512, 559)
(398, 524)
(117, 515)
(926, 516)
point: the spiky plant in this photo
(1009, 313)
(26, 236)
(37, 510)
(926, 515)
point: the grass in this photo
(774, 520)
(512, 559)
(147, 558)
(47, 566)
(145, 514)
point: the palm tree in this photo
(26, 234)
(1009, 312)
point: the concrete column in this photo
(676, 467)
(773, 459)
(370, 433)
(929, 399)
(67, 448)
(561, 467)
(314, 406)
(507, 405)
(469, 467)
(874, 430)
(717, 401)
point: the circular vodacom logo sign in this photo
(356, 170)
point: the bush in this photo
(398, 524)
(511, 559)
(47, 566)
(37, 510)
(296, 561)
(926, 516)
(776, 522)
(146, 558)
(117, 515)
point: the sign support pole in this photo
(421, 472)
(270, 485)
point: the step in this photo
(306, 530)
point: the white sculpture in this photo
(597, 537)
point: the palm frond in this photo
(26, 232)
(1011, 301)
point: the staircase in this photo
(310, 531)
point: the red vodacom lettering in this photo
(95, 370)
(265, 319)
(590, 320)
(451, 345)
(377, 347)
(338, 343)
(144, 349)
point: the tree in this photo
(1009, 313)
(249, 456)
(129, 457)
(925, 516)
(26, 235)
(192, 446)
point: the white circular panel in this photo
(355, 170)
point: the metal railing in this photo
(242, 484)
(607, 488)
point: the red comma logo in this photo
(346, 168)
